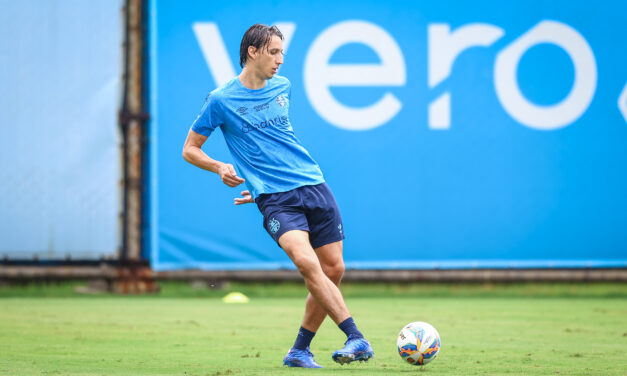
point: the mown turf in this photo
(519, 329)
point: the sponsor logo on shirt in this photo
(282, 100)
(279, 120)
(242, 111)
(262, 107)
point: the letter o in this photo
(578, 99)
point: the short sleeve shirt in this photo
(259, 135)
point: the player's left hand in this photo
(247, 199)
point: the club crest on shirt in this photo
(282, 100)
(274, 225)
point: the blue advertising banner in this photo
(60, 70)
(478, 134)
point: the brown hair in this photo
(258, 36)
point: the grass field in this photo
(535, 329)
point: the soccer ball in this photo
(418, 343)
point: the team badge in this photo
(274, 225)
(282, 100)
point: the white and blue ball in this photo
(418, 343)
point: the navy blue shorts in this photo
(309, 208)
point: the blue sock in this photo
(303, 339)
(350, 329)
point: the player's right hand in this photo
(228, 175)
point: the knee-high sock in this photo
(303, 339)
(350, 329)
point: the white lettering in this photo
(444, 48)
(622, 102)
(440, 112)
(287, 29)
(574, 105)
(319, 75)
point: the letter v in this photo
(214, 51)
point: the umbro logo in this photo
(242, 111)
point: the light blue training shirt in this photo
(259, 135)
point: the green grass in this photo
(536, 329)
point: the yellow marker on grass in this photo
(235, 297)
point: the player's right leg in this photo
(286, 221)
(296, 245)
(332, 263)
(326, 294)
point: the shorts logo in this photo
(242, 111)
(281, 100)
(339, 227)
(274, 225)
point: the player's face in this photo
(270, 58)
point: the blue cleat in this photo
(354, 349)
(300, 358)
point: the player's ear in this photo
(252, 52)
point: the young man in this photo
(299, 210)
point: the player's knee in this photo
(335, 271)
(307, 266)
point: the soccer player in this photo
(299, 210)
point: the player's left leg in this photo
(332, 263)
(326, 235)
(298, 247)
(356, 347)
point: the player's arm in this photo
(193, 154)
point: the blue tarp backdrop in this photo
(478, 134)
(60, 70)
